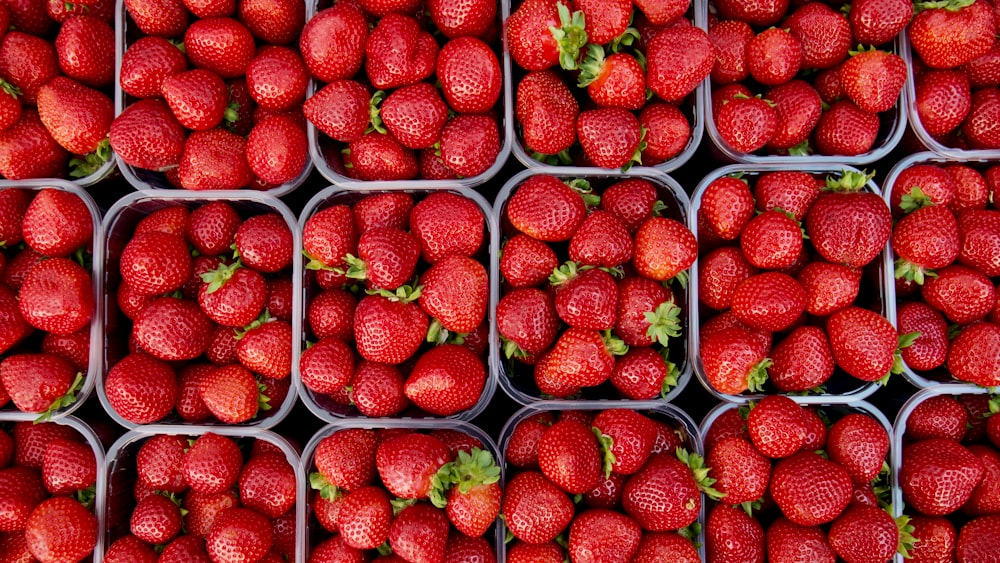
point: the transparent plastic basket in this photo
(97, 320)
(310, 530)
(126, 33)
(939, 375)
(657, 410)
(120, 475)
(877, 291)
(693, 108)
(891, 129)
(119, 224)
(325, 152)
(516, 379)
(330, 411)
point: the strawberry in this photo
(14, 326)
(277, 78)
(799, 108)
(173, 329)
(84, 47)
(972, 190)
(771, 241)
(810, 490)
(864, 343)
(858, 443)
(220, 44)
(141, 389)
(742, 473)
(668, 132)
(23, 491)
(719, 274)
(526, 261)
(198, 98)
(758, 12)
(587, 299)
(346, 459)
(972, 357)
(387, 258)
(27, 150)
(267, 484)
(964, 295)
(845, 129)
(730, 39)
(543, 33)
(535, 509)
(949, 37)
(39, 383)
(331, 313)
(328, 236)
(399, 53)
(378, 390)
(934, 538)
(340, 110)
(170, 220)
(147, 135)
(727, 206)
(158, 463)
(873, 79)
(802, 360)
(470, 75)
(155, 519)
(664, 248)
(232, 295)
(407, 462)
(470, 144)
(773, 56)
(926, 239)
(364, 517)
(824, 34)
(389, 210)
(68, 466)
(921, 185)
(666, 493)
(731, 534)
(239, 534)
(415, 115)
(986, 496)
(527, 322)
(734, 359)
(632, 201)
(61, 529)
(605, 534)
(79, 118)
(204, 152)
(978, 241)
(875, 23)
(446, 380)
(212, 464)
(940, 416)
(475, 497)
(569, 455)
(982, 71)
(327, 366)
(547, 209)
(829, 287)
(378, 157)
(277, 23)
(458, 19)
(678, 59)
(875, 527)
(419, 533)
(646, 313)
(938, 475)
(616, 81)
(10, 105)
(976, 538)
(580, 358)
(447, 223)
(267, 349)
(27, 62)
(776, 426)
(28, 16)
(979, 128)
(842, 208)
(943, 99)
(162, 18)
(264, 242)
(455, 293)
(333, 42)
(389, 328)
(770, 301)
(56, 296)
(747, 124)
(231, 394)
(56, 223)
(130, 548)
(524, 552)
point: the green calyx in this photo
(592, 66)
(691, 533)
(403, 293)
(914, 200)
(469, 469)
(912, 272)
(179, 44)
(699, 472)
(86, 496)
(902, 341)
(672, 378)
(326, 489)
(437, 334)
(861, 49)
(66, 400)
(608, 458)
(583, 187)
(232, 113)
(626, 39)
(758, 375)
(263, 401)
(615, 346)
(264, 317)
(8, 88)
(664, 322)
(680, 279)
(801, 149)
(218, 277)
(315, 264)
(750, 506)
(91, 162)
(566, 273)
(637, 155)
(560, 158)
(375, 113)
(950, 5)
(401, 504)
(357, 269)
(570, 36)
(849, 181)
(511, 350)
(906, 539)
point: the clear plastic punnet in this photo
(96, 273)
(312, 533)
(324, 406)
(692, 107)
(877, 293)
(979, 161)
(514, 377)
(126, 33)
(9, 419)
(326, 153)
(684, 427)
(119, 477)
(892, 125)
(119, 224)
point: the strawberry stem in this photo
(218, 277)
(469, 469)
(403, 293)
(608, 458)
(950, 5)
(664, 322)
(375, 113)
(592, 66)
(914, 200)
(615, 346)
(911, 272)
(849, 181)
(91, 162)
(699, 472)
(570, 36)
(8, 88)
(326, 489)
(672, 378)
(758, 375)
(357, 268)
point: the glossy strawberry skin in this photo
(446, 380)
(679, 59)
(547, 111)
(135, 378)
(339, 59)
(56, 296)
(809, 489)
(147, 135)
(220, 44)
(546, 209)
(938, 475)
(537, 509)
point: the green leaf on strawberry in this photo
(326, 489)
(849, 181)
(699, 472)
(66, 400)
(218, 277)
(672, 378)
(664, 322)
(608, 458)
(914, 200)
(571, 36)
(469, 469)
(91, 162)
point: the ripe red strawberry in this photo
(873, 79)
(972, 190)
(569, 455)
(327, 366)
(470, 75)
(976, 538)
(946, 38)
(27, 62)
(943, 100)
(547, 112)
(666, 493)
(57, 296)
(810, 490)
(333, 42)
(859, 443)
(843, 208)
(214, 160)
(264, 242)
(231, 394)
(668, 132)
(731, 534)
(921, 185)
(734, 359)
(239, 534)
(747, 124)
(339, 109)
(173, 329)
(455, 293)
(533, 43)
(31, 440)
(771, 240)
(963, 294)
(603, 533)
(719, 274)
(27, 150)
(39, 383)
(524, 552)
(60, 529)
(220, 44)
(147, 135)
(870, 524)
(162, 18)
(158, 463)
(419, 533)
(458, 19)
(85, 47)
(972, 355)
(526, 261)
(986, 496)
(934, 538)
(328, 236)
(580, 358)
(875, 23)
(389, 329)
(979, 128)
(787, 541)
(277, 78)
(28, 16)
(169, 220)
(331, 313)
(777, 427)
(802, 360)
(615, 81)
(938, 475)
(387, 258)
(378, 157)
(774, 56)
(141, 389)
(527, 322)
(742, 473)
(79, 118)
(730, 39)
(212, 464)
(926, 239)
(470, 144)
(475, 496)
(770, 301)
(398, 52)
(198, 98)
(23, 491)
(155, 519)
(446, 380)
(535, 509)
(845, 129)
(267, 349)
(415, 115)
(586, 299)
(824, 34)
(661, 12)
(13, 324)
(68, 467)
(277, 23)
(646, 313)
(547, 209)
(678, 59)
(864, 343)
(758, 12)
(364, 516)
(664, 248)
(978, 241)
(407, 462)
(267, 484)
(232, 295)
(799, 108)
(387, 210)
(727, 206)
(130, 548)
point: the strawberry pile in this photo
(784, 255)
(398, 300)
(805, 79)
(214, 92)
(956, 72)
(412, 495)
(206, 296)
(48, 474)
(57, 68)
(586, 297)
(821, 485)
(46, 298)
(947, 248)
(950, 477)
(425, 103)
(610, 58)
(615, 486)
(197, 499)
